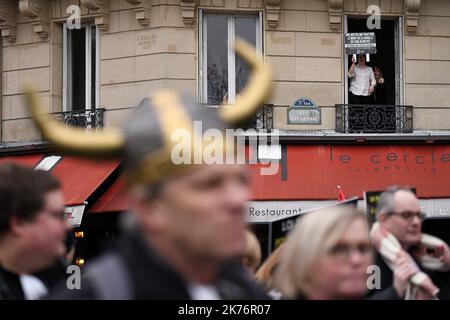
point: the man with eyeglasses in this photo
(32, 230)
(399, 215)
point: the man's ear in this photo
(382, 217)
(152, 214)
(17, 226)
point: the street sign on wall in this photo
(304, 111)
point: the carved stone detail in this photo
(272, 12)
(99, 9)
(38, 12)
(412, 8)
(335, 12)
(142, 11)
(8, 21)
(188, 11)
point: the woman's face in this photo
(341, 273)
(376, 72)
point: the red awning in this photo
(30, 160)
(81, 177)
(113, 200)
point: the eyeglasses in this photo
(57, 214)
(342, 251)
(410, 215)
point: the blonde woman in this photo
(265, 273)
(326, 256)
(252, 255)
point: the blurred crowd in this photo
(186, 238)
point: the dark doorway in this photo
(438, 227)
(385, 56)
(100, 232)
(261, 231)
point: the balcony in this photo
(262, 121)
(89, 119)
(356, 123)
(352, 118)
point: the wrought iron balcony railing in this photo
(353, 118)
(89, 119)
(263, 119)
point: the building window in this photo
(222, 73)
(80, 68)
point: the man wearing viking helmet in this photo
(185, 234)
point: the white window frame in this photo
(88, 58)
(399, 58)
(203, 85)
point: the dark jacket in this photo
(387, 291)
(11, 287)
(149, 277)
(379, 94)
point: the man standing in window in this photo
(362, 81)
(361, 87)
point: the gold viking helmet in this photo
(145, 141)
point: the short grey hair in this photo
(386, 202)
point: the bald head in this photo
(399, 213)
(405, 200)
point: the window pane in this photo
(217, 58)
(78, 67)
(93, 65)
(246, 29)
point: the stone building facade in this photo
(126, 49)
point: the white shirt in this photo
(361, 80)
(33, 288)
(203, 292)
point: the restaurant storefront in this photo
(125, 50)
(306, 179)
